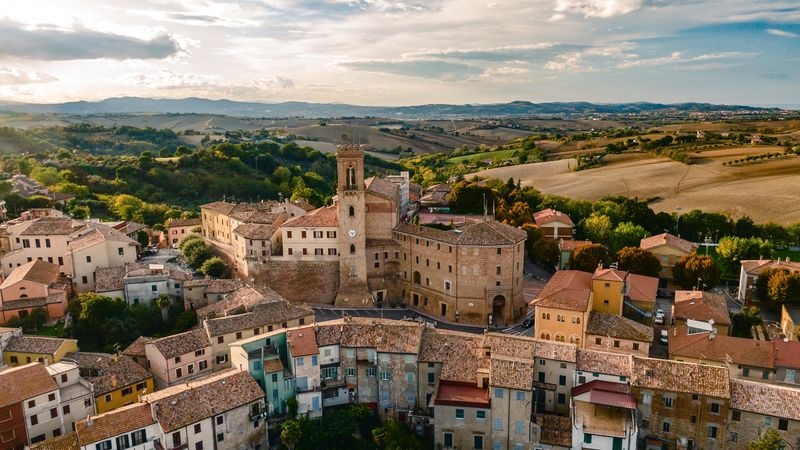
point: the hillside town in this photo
(385, 300)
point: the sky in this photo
(385, 52)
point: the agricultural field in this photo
(766, 190)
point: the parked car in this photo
(527, 323)
(664, 335)
(659, 319)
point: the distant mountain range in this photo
(132, 105)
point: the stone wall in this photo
(300, 281)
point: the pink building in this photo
(30, 286)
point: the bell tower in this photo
(351, 212)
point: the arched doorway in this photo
(498, 304)
(417, 278)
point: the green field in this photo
(502, 154)
(56, 330)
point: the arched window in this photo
(23, 295)
(352, 211)
(352, 248)
(417, 278)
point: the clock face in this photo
(351, 232)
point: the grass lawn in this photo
(782, 254)
(56, 330)
(502, 154)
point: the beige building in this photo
(177, 229)
(33, 285)
(613, 333)
(220, 219)
(668, 249)
(758, 407)
(555, 224)
(179, 358)
(201, 292)
(752, 268)
(76, 400)
(312, 237)
(28, 394)
(562, 307)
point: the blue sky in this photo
(384, 52)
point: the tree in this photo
(98, 312)
(546, 253)
(597, 228)
(301, 191)
(393, 435)
(626, 234)
(734, 249)
(692, 267)
(783, 286)
(196, 252)
(588, 257)
(188, 240)
(214, 267)
(770, 440)
(143, 238)
(743, 322)
(162, 301)
(291, 408)
(534, 234)
(639, 261)
(290, 433)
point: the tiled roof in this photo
(461, 354)
(548, 215)
(113, 423)
(214, 285)
(510, 345)
(756, 266)
(461, 394)
(787, 353)
(555, 430)
(67, 441)
(612, 325)
(36, 271)
(258, 216)
(765, 399)
(722, 348)
(50, 226)
(137, 347)
(34, 344)
(479, 233)
(185, 404)
(221, 207)
(642, 288)
(302, 341)
(59, 296)
(616, 364)
(273, 365)
(174, 223)
(386, 336)
(675, 376)
(567, 289)
(109, 279)
(382, 188)
(670, 240)
(110, 372)
(181, 344)
(258, 231)
(701, 305)
(320, 217)
(238, 301)
(556, 351)
(268, 313)
(570, 245)
(512, 373)
(609, 274)
(18, 384)
(304, 205)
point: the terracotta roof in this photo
(787, 353)
(642, 288)
(56, 296)
(238, 301)
(20, 383)
(612, 325)
(570, 245)
(259, 216)
(556, 351)
(67, 441)
(670, 240)
(382, 188)
(50, 226)
(548, 215)
(723, 349)
(221, 207)
(303, 204)
(137, 347)
(214, 285)
(756, 266)
(676, 376)
(609, 274)
(701, 305)
(555, 430)
(109, 279)
(386, 336)
(479, 233)
(185, 404)
(567, 289)
(606, 393)
(34, 344)
(108, 372)
(461, 354)
(272, 312)
(174, 223)
(461, 394)
(320, 217)
(616, 364)
(258, 231)
(113, 423)
(302, 341)
(510, 345)
(181, 344)
(765, 399)
(273, 365)
(36, 271)
(512, 373)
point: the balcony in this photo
(603, 420)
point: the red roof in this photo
(453, 393)
(606, 393)
(302, 341)
(787, 353)
(548, 215)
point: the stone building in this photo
(757, 407)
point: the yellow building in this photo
(562, 307)
(668, 249)
(27, 349)
(117, 379)
(790, 322)
(608, 291)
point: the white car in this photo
(659, 318)
(663, 338)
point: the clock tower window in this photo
(351, 211)
(352, 249)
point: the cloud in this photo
(782, 33)
(17, 77)
(591, 59)
(679, 58)
(209, 85)
(54, 44)
(419, 68)
(523, 52)
(595, 8)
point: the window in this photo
(288, 235)
(201, 351)
(121, 251)
(587, 438)
(692, 419)
(220, 339)
(712, 432)
(616, 344)
(238, 335)
(734, 437)
(220, 419)
(498, 392)
(480, 414)
(448, 439)
(84, 279)
(351, 211)
(477, 441)
(497, 423)
(88, 258)
(198, 445)
(562, 380)
(177, 359)
(371, 372)
(768, 421)
(665, 427)
(783, 424)
(127, 391)
(190, 368)
(313, 358)
(715, 409)
(459, 413)
(330, 373)
(123, 442)
(220, 436)
(197, 428)
(519, 427)
(736, 416)
(350, 371)
(562, 399)
(746, 371)
(34, 420)
(178, 372)
(47, 243)
(668, 402)
(60, 261)
(107, 398)
(176, 439)
(386, 376)
(431, 377)
(300, 361)
(105, 445)
(636, 346)
(66, 409)
(138, 437)
(521, 396)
